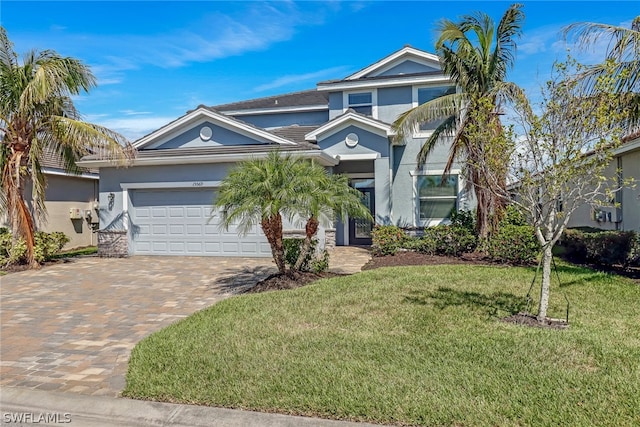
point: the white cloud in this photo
(133, 112)
(132, 128)
(299, 78)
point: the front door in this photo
(360, 229)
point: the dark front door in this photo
(360, 229)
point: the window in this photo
(361, 102)
(426, 94)
(437, 197)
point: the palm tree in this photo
(261, 191)
(476, 55)
(37, 117)
(327, 197)
(622, 61)
(266, 190)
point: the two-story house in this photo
(161, 204)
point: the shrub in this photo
(387, 239)
(602, 248)
(312, 262)
(46, 246)
(446, 240)
(464, 219)
(634, 258)
(514, 244)
(320, 263)
(513, 216)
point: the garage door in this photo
(176, 222)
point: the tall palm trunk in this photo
(311, 228)
(272, 229)
(22, 225)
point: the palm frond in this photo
(73, 139)
(448, 127)
(440, 108)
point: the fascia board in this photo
(399, 81)
(50, 171)
(257, 111)
(380, 65)
(221, 119)
(346, 120)
(628, 147)
(322, 157)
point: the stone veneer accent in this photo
(329, 238)
(113, 244)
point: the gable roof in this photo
(202, 112)
(373, 75)
(407, 52)
(309, 99)
(350, 117)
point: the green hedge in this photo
(602, 247)
(387, 239)
(47, 245)
(514, 244)
(452, 240)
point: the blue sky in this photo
(154, 60)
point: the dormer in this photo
(385, 88)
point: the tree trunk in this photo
(482, 212)
(310, 230)
(21, 219)
(272, 228)
(547, 255)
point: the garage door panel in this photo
(176, 212)
(176, 229)
(159, 229)
(159, 247)
(180, 222)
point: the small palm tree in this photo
(38, 118)
(281, 186)
(261, 191)
(476, 55)
(327, 197)
(623, 54)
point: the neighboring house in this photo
(67, 193)
(161, 204)
(625, 214)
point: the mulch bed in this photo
(414, 258)
(289, 280)
(527, 319)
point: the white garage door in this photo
(176, 222)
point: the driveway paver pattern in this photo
(70, 327)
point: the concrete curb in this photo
(94, 411)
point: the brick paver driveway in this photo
(71, 326)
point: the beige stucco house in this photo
(71, 202)
(625, 213)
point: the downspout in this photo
(619, 199)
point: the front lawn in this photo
(408, 345)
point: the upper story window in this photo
(425, 94)
(361, 102)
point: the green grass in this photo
(89, 250)
(408, 345)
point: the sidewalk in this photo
(36, 406)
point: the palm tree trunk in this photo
(311, 229)
(272, 228)
(21, 219)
